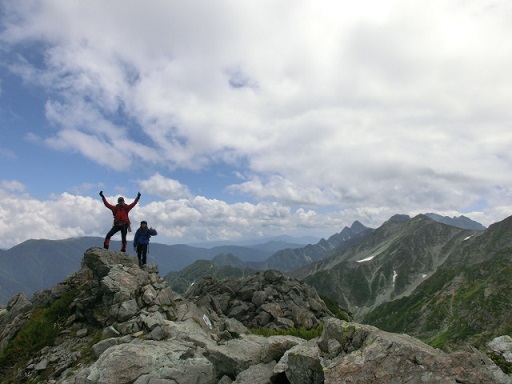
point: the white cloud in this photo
(279, 189)
(23, 218)
(184, 220)
(161, 186)
(373, 108)
(12, 185)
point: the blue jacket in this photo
(142, 236)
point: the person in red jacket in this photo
(121, 219)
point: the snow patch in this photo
(364, 260)
(467, 238)
(423, 275)
(394, 276)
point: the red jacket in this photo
(120, 211)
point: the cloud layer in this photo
(329, 111)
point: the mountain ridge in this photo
(31, 266)
(388, 264)
(113, 322)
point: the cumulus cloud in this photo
(191, 219)
(360, 109)
(12, 185)
(278, 188)
(164, 187)
(23, 217)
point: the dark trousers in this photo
(142, 252)
(116, 228)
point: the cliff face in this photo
(113, 322)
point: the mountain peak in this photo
(114, 322)
(462, 221)
(399, 218)
(357, 227)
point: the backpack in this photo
(119, 218)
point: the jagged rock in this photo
(369, 355)
(14, 317)
(103, 345)
(502, 347)
(152, 335)
(256, 374)
(303, 364)
(150, 360)
(267, 300)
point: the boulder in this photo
(128, 326)
(268, 299)
(501, 347)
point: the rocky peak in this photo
(268, 299)
(124, 324)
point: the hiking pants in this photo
(142, 251)
(116, 228)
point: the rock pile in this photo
(267, 300)
(128, 326)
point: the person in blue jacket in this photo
(141, 241)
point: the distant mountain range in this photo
(290, 260)
(444, 284)
(459, 222)
(446, 281)
(37, 264)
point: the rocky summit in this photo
(267, 300)
(113, 322)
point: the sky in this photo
(250, 119)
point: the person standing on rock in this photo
(121, 219)
(141, 241)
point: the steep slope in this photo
(388, 264)
(221, 267)
(466, 301)
(290, 259)
(113, 322)
(459, 222)
(227, 265)
(38, 264)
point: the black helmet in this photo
(143, 222)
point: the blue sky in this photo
(249, 119)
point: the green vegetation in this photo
(463, 305)
(306, 334)
(87, 353)
(337, 311)
(41, 330)
(183, 280)
(504, 365)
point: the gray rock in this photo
(304, 365)
(152, 320)
(14, 318)
(369, 355)
(127, 310)
(256, 374)
(502, 347)
(152, 360)
(276, 346)
(236, 355)
(81, 332)
(233, 326)
(268, 299)
(42, 365)
(134, 308)
(103, 345)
